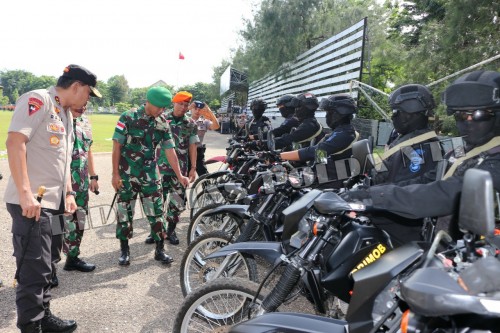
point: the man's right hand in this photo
(117, 182)
(31, 208)
(183, 180)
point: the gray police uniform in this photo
(39, 116)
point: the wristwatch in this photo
(96, 177)
(73, 193)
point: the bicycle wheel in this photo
(197, 271)
(217, 306)
(222, 221)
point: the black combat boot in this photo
(54, 280)
(149, 240)
(33, 327)
(53, 324)
(160, 254)
(171, 235)
(124, 259)
(75, 263)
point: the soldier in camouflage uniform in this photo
(184, 133)
(82, 163)
(137, 135)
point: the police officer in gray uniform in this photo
(39, 147)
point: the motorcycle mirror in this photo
(270, 141)
(477, 204)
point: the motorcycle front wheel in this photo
(222, 221)
(218, 305)
(196, 270)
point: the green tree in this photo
(122, 107)
(118, 89)
(105, 101)
(17, 81)
(138, 96)
(201, 91)
(15, 95)
(281, 29)
(4, 100)
(43, 81)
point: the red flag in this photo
(181, 56)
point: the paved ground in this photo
(140, 298)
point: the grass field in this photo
(103, 126)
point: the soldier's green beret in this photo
(159, 96)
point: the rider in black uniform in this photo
(340, 110)
(309, 129)
(287, 111)
(474, 101)
(410, 155)
(258, 106)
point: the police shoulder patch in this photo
(34, 104)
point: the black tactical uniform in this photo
(305, 106)
(258, 106)
(474, 99)
(340, 109)
(287, 111)
(413, 155)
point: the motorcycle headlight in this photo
(301, 177)
(299, 238)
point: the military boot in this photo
(149, 240)
(160, 254)
(124, 259)
(54, 280)
(53, 324)
(75, 263)
(171, 235)
(33, 327)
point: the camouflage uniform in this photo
(139, 135)
(80, 183)
(184, 133)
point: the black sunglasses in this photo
(477, 115)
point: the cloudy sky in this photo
(140, 39)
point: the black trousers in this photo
(33, 289)
(201, 169)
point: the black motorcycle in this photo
(328, 247)
(265, 221)
(432, 298)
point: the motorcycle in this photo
(265, 222)
(328, 246)
(428, 298)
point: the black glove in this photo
(361, 196)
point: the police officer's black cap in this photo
(199, 105)
(341, 103)
(83, 75)
(475, 90)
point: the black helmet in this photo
(258, 104)
(306, 100)
(285, 105)
(475, 90)
(341, 103)
(412, 98)
(285, 101)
